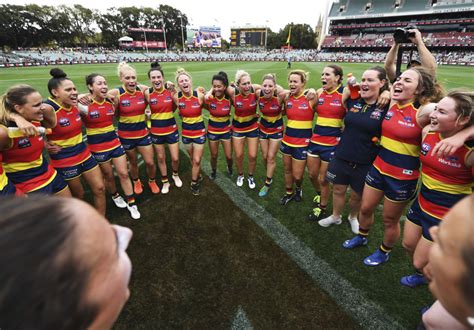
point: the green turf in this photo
(379, 284)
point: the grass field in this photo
(206, 262)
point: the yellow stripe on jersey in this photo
(433, 184)
(399, 147)
(329, 122)
(17, 167)
(102, 130)
(299, 124)
(3, 180)
(272, 119)
(162, 116)
(219, 119)
(132, 119)
(192, 120)
(71, 142)
(244, 119)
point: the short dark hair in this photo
(43, 286)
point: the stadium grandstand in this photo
(367, 26)
(359, 31)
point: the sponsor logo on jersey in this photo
(153, 101)
(335, 102)
(213, 106)
(181, 105)
(125, 103)
(289, 105)
(239, 104)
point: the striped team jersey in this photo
(101, 135)
(162, 107)
(271, 121)
(25, 165)
(300, 121)
(445, 180)
(190, 111)
(328, 128)
(219, 109)
(3, 175)
(245, 115)
(400, 143)
(68, 135)
(132, 124)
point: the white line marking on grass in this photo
(241, 321)
(367, 313)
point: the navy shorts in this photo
(72, 172)
(106, 156)
(218, 137)
(394, 189)
(326, 153)
(274, 136)
(9, 189)
(198, 140)
(251, 134)
(298, 153)
(130, 144)
(170, 138)
(420, 218)
(347, 173)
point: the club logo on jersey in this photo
(153, 101)
(389, 115)
(425, 148)
(24, 143)
(64, 122)
(94, 114)
(335, 102)
(125, 103)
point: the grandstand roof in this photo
(386, 8)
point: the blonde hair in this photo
(270, 76)
(180, 72)
(464, 104)
(239, 74)
(303, 75)
(15, 95)
(124, 66)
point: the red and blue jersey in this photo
(68, 135)
(300, 121)
(219, 120)
(328, 128)
(271, 121)
(132, 124)
(162, 108)
(25, 165)
(445, 180)
(400, 143)
(190, 110)
(101, 135)
(3, 175)
(245, 115)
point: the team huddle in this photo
(377, 138)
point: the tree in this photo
(302, 36)
(82, 20)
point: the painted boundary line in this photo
(367, 313)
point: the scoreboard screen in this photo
(247, 37)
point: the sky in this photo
(273, 14)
